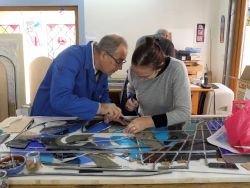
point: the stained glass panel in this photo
(59, 36)
(10, 28)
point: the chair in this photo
(37, 70)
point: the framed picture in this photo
(222, 28)
(200, 33)
(248, 16)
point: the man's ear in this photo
(103, 54)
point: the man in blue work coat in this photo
(76, 83)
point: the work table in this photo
(198, 174)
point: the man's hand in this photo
(120, 120)
(131, 104)
(110, 110)
(139, 124)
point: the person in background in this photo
(76, 83)
(162, 38)
(161, 86)
(164, 33)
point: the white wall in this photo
(134, 18)
(218, 9)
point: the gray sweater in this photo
(168, 93)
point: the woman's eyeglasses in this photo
(151, 76)
(118, 61)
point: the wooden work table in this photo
(88, 182)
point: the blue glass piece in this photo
(46, 157)
(122, 140)
(99, 127)
(213, 126)
(74, 128)
(32, 146)
(35, 146)
(83, 159)
(100, 141)
(160, 136)
(63, 130)
(224, 151)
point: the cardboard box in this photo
(243, 83)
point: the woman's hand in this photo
(131, 104)
(139, 124)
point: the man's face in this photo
(113, 62)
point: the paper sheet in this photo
(15, 124)
(219, 138)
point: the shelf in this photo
(193, 67)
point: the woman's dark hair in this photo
(149, 53)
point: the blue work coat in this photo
(70, 87)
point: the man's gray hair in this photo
(162, 32)
(110, 43)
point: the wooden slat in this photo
(180, 185)
(237, 42)
(3, 93)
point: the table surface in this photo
(197, 173)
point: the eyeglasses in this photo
(145, 76)
(118, 61)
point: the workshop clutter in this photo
(15, 163)
(243, 85)
(3, 179)
(12, 164)
(33, 163)
(238, 126)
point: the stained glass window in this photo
(45, 33)
(59, 36)
(12, 28)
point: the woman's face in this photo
(144, 72)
